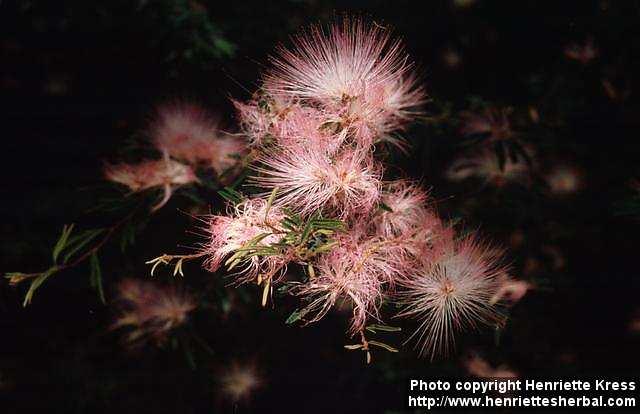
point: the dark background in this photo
(78, 79)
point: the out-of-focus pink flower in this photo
(239, 381)
(452, 293)
(165, 173)
(480, 368)
(188, 133)
(245, 222)
(354, 70)
(583, 53)
(634, 323)
(511, 290)
(309, 180)
(451, 58)
(486, 166)
(492, 121)
(564, 179)
(150, 311)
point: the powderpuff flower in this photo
(452, 293)
(492, 121)
(150, 311)
(245, 222)
(258, 116)
(405, 209)
(486, 167)
(340, 279)
(309, 180)
(353, 68)
(187, 132)
(564, 180)
(478, 367)
(239, 381)
(583, 53)
(510, 290)
(357, 271)
(165, 173)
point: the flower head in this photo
(486, 167)
(150, 311)
(165, 173)
(564, 180)
(247, 222)
(492, 121)
(354, 70)
(309, 180)
(479, 367)
(188, 133)
(452, 293)
(511, 290)
(583, 53)
(239, 381)
(357, 270)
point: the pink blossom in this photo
(486, 166)
(245, 222)
(239, 381)
(511, 290)
(188, 133)
(564, 179)
(583, 53)
(359, 269)
(309, 180)
(355, 70)
(479, 367)
(492, 121)
(407, 205)
(452, 293)
(165, 173)
(150, 311)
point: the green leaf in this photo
(272, 197)
(231, 195)
(78, 242)
(385, 207)
(294, 317)
(62, 241)
(95, 277)
(36, 283)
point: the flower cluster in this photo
(362, 239)
(188, 138)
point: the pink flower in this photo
(239, 381)
(486, 166)
(165, 173)
(309, 180)
(478, 367)
(354, 70)
(407, 205)
(245, 222)
(452, 293)
(188, 133)
(511, 290)
(150, 311)
(564, 179)
(492, 121)
(583, 53)
(358, 270)
(342, 276)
